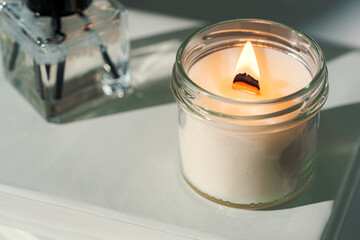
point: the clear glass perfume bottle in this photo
(67, 56)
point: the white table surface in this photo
(117, 177)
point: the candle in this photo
(248, 162)
(246, 145)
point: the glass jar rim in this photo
(321, 69)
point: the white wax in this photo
(280, 74)
(239, 166)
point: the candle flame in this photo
(247, 62)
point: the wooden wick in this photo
(247, 83)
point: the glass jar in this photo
(263, 153)
(66, 57)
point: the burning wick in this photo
(247, 83)
(247, 64)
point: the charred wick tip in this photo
(247, 79)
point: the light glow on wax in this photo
(281, 74)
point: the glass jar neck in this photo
(235, 33)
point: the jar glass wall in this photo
(244, 153)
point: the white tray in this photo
(117, 177)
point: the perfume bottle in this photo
(66, 57)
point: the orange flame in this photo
(247, 62)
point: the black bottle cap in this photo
(57, 7)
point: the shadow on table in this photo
(151, 63)
(339, 137)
